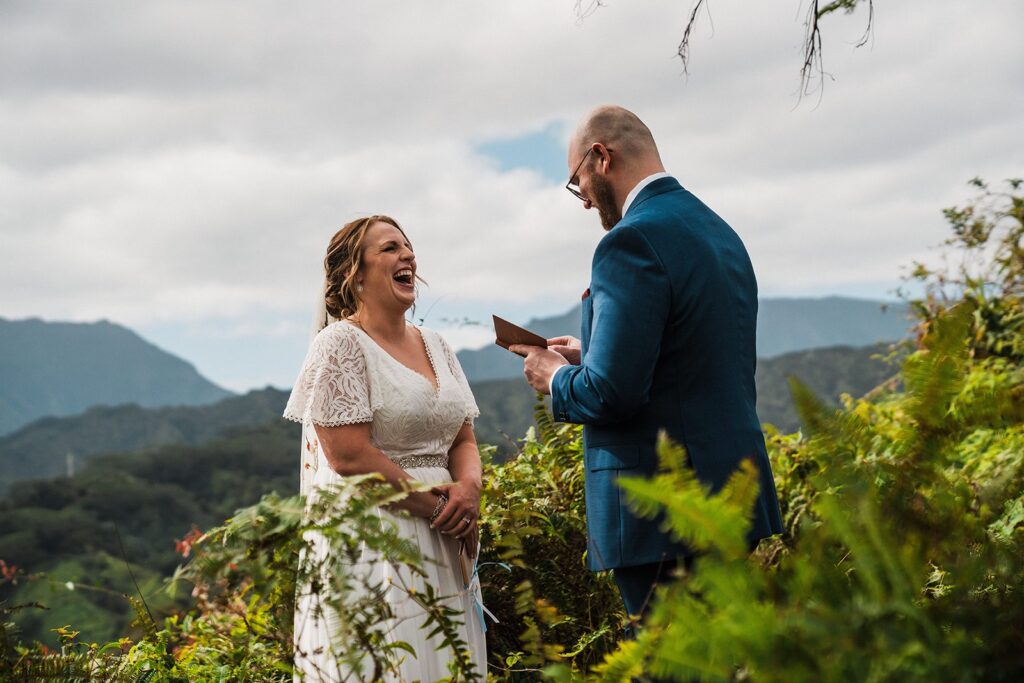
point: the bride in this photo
(377, 394)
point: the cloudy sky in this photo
(178, 167)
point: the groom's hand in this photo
(568, 346)
(539, 365)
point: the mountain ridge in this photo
(62, 368)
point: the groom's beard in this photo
(603, 199)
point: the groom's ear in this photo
(604, 158)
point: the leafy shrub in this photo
(551, 608)
(905, 554)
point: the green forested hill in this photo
(59, 368)
(65, 527)
(828, 372)
(41, 449)
(506, 412)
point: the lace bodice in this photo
(347, 379)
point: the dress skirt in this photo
(316, 629)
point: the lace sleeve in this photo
(472, 411)
(332, 388)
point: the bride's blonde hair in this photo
(342, 263)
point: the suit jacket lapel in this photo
(588, 318)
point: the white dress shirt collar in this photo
(639, 186)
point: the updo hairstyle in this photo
(342, 263)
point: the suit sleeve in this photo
(631, 296)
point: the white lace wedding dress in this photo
(346, 379)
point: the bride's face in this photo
(388, 271)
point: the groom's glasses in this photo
(572, 186)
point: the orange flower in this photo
(184, 546)
(8, 572)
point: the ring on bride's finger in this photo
(467, 520)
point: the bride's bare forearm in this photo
(464, 461)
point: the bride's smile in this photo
(388, 268)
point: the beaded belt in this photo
(410, 461)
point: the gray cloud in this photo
(183, 164)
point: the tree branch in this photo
(684, 45)
(812, 68)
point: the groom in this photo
(667, 343)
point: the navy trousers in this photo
(637, 584)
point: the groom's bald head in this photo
(611, 151)
(619, 129)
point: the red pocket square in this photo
(586, 293)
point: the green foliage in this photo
(246, 575)
(905, 553)
(985, 268)
(552, 610)
(828, 372)
(506, 412)
(65, 530)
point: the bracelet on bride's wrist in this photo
(442, 500)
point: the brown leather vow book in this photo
(508, 334)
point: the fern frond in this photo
(719, 522)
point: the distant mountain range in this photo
(783, 326)
(52, 446)
(59, 368)
(55, 369)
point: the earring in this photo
(359, 287)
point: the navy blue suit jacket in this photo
(668, 343)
